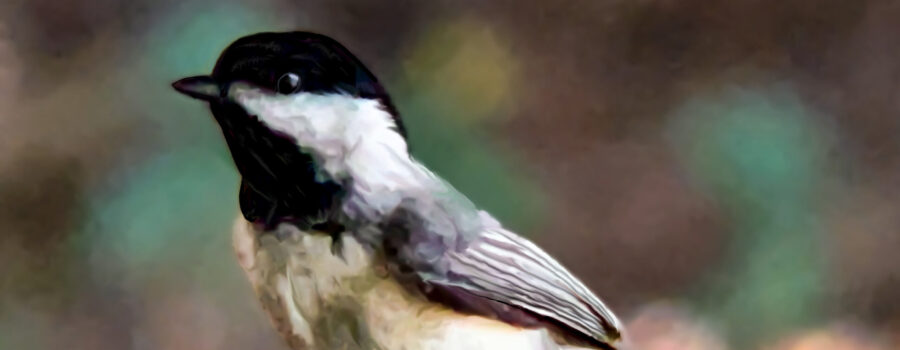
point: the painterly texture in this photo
(588, 123)
(394, 204)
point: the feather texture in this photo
(318, 300)
(505, 267)
(424, 226)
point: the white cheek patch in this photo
(332, 126)
(309, 118)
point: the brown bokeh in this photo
(596, 84)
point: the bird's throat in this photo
(279, 183)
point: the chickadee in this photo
(349, 242)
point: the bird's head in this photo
(298, 84)
(287, 103)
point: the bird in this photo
(349, 242)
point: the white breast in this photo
(321, 301)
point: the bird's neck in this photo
(378, 172)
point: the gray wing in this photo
(498, 269)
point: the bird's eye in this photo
(288, 83)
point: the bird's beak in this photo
(201, 87)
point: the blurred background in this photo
(724, 174)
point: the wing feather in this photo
(504, 267)
(493, 268)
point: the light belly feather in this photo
(318, 300)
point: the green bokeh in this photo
(170, 204)
(759, 153)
